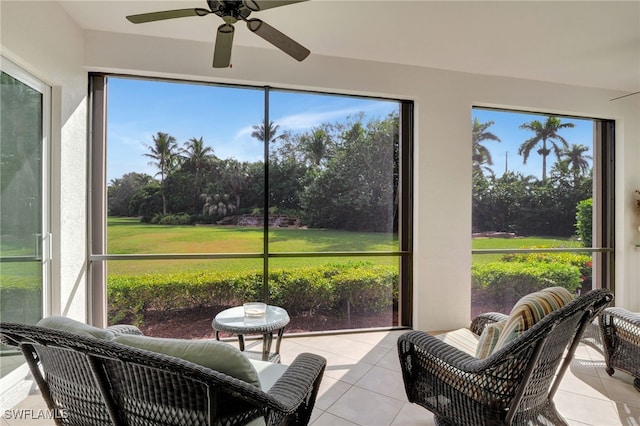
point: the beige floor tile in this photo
(584, 366)
(385, 382)
(384, 339)
(413, 415)
(629, 415)
(32, 411)
(619, 388)
(390, 361)
(315, 414)
(345, 369)
(330, 390)
(366, 408)
(584, 385)
(328, 419)
(597, 412)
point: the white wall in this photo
(443, 124)
(44, 41)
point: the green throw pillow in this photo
(531, 309)
(218, 356)
(72, 326)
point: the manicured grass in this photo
(516, 243)
(129, 236)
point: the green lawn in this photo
(129, 236)
(516, 243)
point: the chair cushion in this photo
(489, 338)
(531, 309)
(218, 356)
(72, 326)
(462, 339)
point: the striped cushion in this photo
(489, 339)
(531, 309)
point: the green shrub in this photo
(582, 261)
(132, 297)
(584, 221)
(301, 290)
(364, 287)
(509, 281)
(366, 290)
(175, 219)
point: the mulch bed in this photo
(196, 323)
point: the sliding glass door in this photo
(24, 237)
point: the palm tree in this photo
(163, 151)
(198, 155)
(316, 146)
(577, 160)
(547, 132)
(481, 154)
(260, 134)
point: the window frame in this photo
(97, 252)
(603, 192)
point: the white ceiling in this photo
(585, 43)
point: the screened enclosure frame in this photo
(98, 255)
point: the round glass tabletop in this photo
(234, 321)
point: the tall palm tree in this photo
(577, 160)
(260, 134)
(163, 152)
(547, 132)
(481, 154)
(198, 155)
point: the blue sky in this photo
(507, 127)
(224, 116)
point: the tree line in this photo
(344, 175)
(340, 175)
(526, 205)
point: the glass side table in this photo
(234, 321)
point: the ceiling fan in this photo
(231, 11)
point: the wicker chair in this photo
(100, 382)
(621, 338)
(514, 385)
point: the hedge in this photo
(509, 281)
(362, 287)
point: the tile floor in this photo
(362, 385)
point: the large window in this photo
(542, 188)
(209, 196)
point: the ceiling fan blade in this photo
(278, 39)
(167, 14)
(624, 96)
(224, 41)
(257, 5)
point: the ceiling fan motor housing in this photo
(230, 11)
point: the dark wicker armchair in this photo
(621, 341)
(514, 385)
(92, 381)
